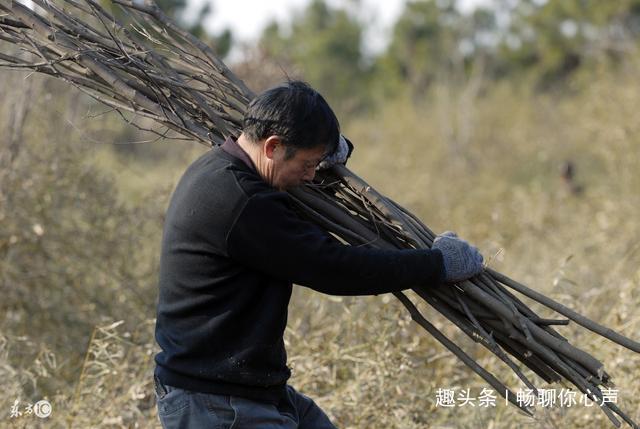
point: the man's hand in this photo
(339, 156)
(461, 260)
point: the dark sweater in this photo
(231, 248)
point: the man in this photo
(231, 249)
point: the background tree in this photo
(324, 47)
(423, 42)
(433, 40)
(553, 39)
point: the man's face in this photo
(288, 173)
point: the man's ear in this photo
(270, 145)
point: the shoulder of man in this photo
(212, 190)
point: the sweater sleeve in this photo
(268, 236)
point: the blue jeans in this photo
(183, 409)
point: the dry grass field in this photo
(80, 225)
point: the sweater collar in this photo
(232, 147)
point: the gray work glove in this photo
(339, 156)
(461, 260)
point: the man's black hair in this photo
(297, 114)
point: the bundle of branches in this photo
(150, 68)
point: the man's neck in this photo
(251, 149)
(255, 154)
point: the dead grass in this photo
(362, 359)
